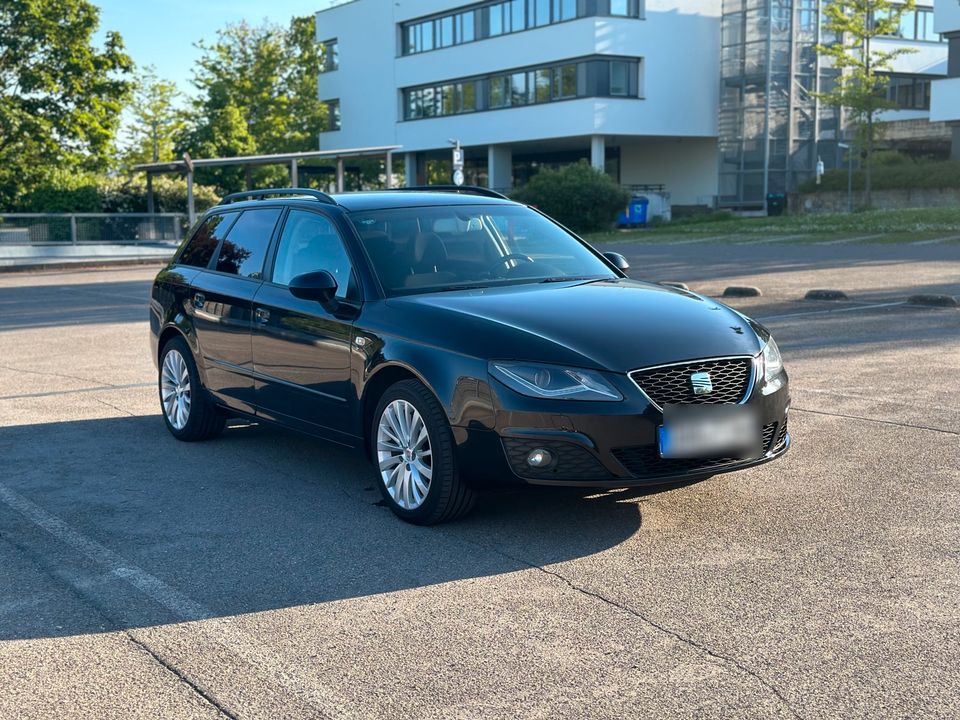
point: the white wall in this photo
(687, 166)
(678, 41)
(946, 16)
(945, 100)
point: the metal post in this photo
(340, 174)
(191, 210)
(388, 168)
(294, 180)
(766, 107)
(73, 229)
(850, 178)
(150, 203)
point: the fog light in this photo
(539, 458)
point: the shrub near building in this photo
(579, 196)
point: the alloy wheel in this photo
(404, 454)
(175, 389)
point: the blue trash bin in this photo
(636, 212)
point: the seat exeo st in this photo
(461, 341)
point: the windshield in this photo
(430, 249)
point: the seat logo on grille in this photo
(701, 383)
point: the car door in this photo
(222, 304)
(301, 348)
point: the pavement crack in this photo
(876, 420)
(54, 374)
(111, 405)
(182, 677)
(717, 655)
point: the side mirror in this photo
(618, 260)
(319, 285)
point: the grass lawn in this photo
(873, 226)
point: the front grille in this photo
(768, 435)
(571, 462)
(645, 462)
(730, 378)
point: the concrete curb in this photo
(825, 295)
(742, 291)
(934, 300)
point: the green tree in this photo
(257, 94)
(60, 97)
(155, 122)
(863, 66)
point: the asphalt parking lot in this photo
(257, 576)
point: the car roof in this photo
(373, 200)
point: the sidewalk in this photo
(31, 257)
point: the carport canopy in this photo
(188, 165)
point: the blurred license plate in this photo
(709, 431)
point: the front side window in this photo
(310, 242)
(245, 247)
(199, 251)
(428, 249)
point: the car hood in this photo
(617, 325)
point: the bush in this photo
(892, 171)
(578, 196)
(74, 194)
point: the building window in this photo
(492, 19)
(329, 56)
(917, 25)
(587, 77)
(333, 114)
(909, 92)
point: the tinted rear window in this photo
(245, 247)
(203, 244)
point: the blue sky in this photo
(161, 33)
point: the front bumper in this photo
(599, 444)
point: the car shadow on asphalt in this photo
(256, 520)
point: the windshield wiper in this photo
(571, 278)
(449, 288)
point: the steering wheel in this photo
(508, 258)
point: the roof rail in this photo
(459, 189)
(261, 194)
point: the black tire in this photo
(448, 497)
(205, 420)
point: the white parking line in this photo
(774, 239)
(224, 634)
(844, 241)
(833, 310)
(937, 241)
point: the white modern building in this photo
(946, 92)
(668, 93)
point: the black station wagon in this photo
(461, 341)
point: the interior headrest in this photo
(428, 249)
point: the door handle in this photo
(198, 300)
(262, 315)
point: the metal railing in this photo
(91, 228)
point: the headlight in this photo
(772, 368)
(551, 381)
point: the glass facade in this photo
(491, 19)
(582, 77)
(772, 129)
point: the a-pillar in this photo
(598, 152)
(499, 167)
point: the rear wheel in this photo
(188, 412)
(414, 452)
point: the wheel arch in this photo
(374, 388)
